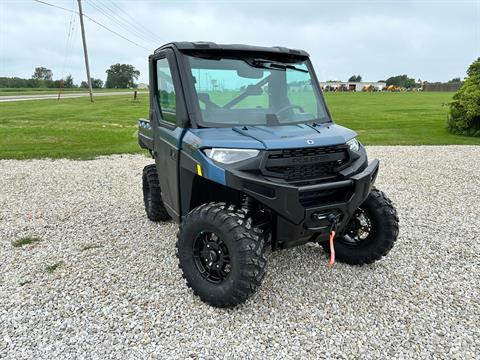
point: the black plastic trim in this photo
(294, 221)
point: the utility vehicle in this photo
(247, 156)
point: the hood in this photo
(274, 137)
(297, 136)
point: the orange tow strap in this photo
(332, 249)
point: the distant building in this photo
(142, 86)
(351, 86)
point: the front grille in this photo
(295, 173)
(302, 152)
(318, 163)
(324, 197)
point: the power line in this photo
(56, 6)
(125, 22)
(145, 30)
(70, 28)
(68, 43)
(111, 17)
(94, 21)
(114, 32)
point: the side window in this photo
(166, 91)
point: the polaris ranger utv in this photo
(247, 155)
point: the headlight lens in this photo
(353, 144)
(230, 156)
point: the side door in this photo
(168, 136)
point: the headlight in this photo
(353, 144)
(230, 156)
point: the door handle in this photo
(173, 154)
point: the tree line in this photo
(119, 76)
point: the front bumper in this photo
(301, 220)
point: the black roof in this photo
(211, 47)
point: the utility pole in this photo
(89, 79)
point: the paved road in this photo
(7, 98)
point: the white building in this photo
(350, 86)
(142, 86)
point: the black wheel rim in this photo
(359, 228)
(211, 257)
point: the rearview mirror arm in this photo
(243, 95)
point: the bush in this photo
(464, 117)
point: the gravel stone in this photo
(119, 293)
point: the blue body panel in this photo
(273, 137)
(224, 138)
(261, 138)
(172, 137)
(191, 146)
(298, 136)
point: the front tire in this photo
(220, 254)
(370, 234)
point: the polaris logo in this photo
(310, 142)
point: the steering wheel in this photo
(288, 107)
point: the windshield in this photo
(255, 92)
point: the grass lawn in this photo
(36, 91)
(75, 128)
(396, 118)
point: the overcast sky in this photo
(430, 40)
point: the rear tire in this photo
(152, 195)
(220, 254)
(377, 214)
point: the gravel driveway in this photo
(103, 281)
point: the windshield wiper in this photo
(318, 121)
(268, 64)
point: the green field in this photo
(35, 91)
(75, 128)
